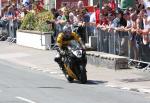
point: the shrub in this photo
(29, 21)
(41, 21)
(37, 22)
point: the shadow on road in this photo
(92, 82)
(95, 82)
(50, 87)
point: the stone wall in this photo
(105, 60)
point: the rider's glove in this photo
(83, 46)
(62, 52)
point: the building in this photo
(48, 4)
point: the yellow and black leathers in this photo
(63, 39)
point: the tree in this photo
(127, 3)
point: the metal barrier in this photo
(8, 30)
(4, 29)
(13, 26)
(120, 43)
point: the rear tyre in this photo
(83, 76)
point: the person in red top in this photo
(97, 14)
(40, 5)
(104, 20)
(101, 15)
(112, 5)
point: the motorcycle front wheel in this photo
(70, 79)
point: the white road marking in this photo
(61, 75)
(144, 90)
(111, 85)
(26, 100)
(125, 88)
(53, 72)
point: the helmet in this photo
(67, 28)
(67, 32)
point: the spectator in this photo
(95, 18)
(26, 4)
(112, 5)
(55, 13)
(80, 5)
(145, 33)
(79, 11)
(93, 23)
(72, 19)
(131, 10)
(129, 22)
(116, 21)
(140, 26)
(132, 37)
(61, 20)
(111, 17)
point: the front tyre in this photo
(70, 79)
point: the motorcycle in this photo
(74, 62)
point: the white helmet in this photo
(67, 28)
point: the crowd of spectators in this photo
(122, 19)
(12, 14)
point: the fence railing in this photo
(8, 29)
(124, 43)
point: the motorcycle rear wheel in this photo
(83, 76)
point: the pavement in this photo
(42, 60)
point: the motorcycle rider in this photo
(63, 40)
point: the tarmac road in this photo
(18, 84)
(21, 63)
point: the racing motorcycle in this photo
(74, 62)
